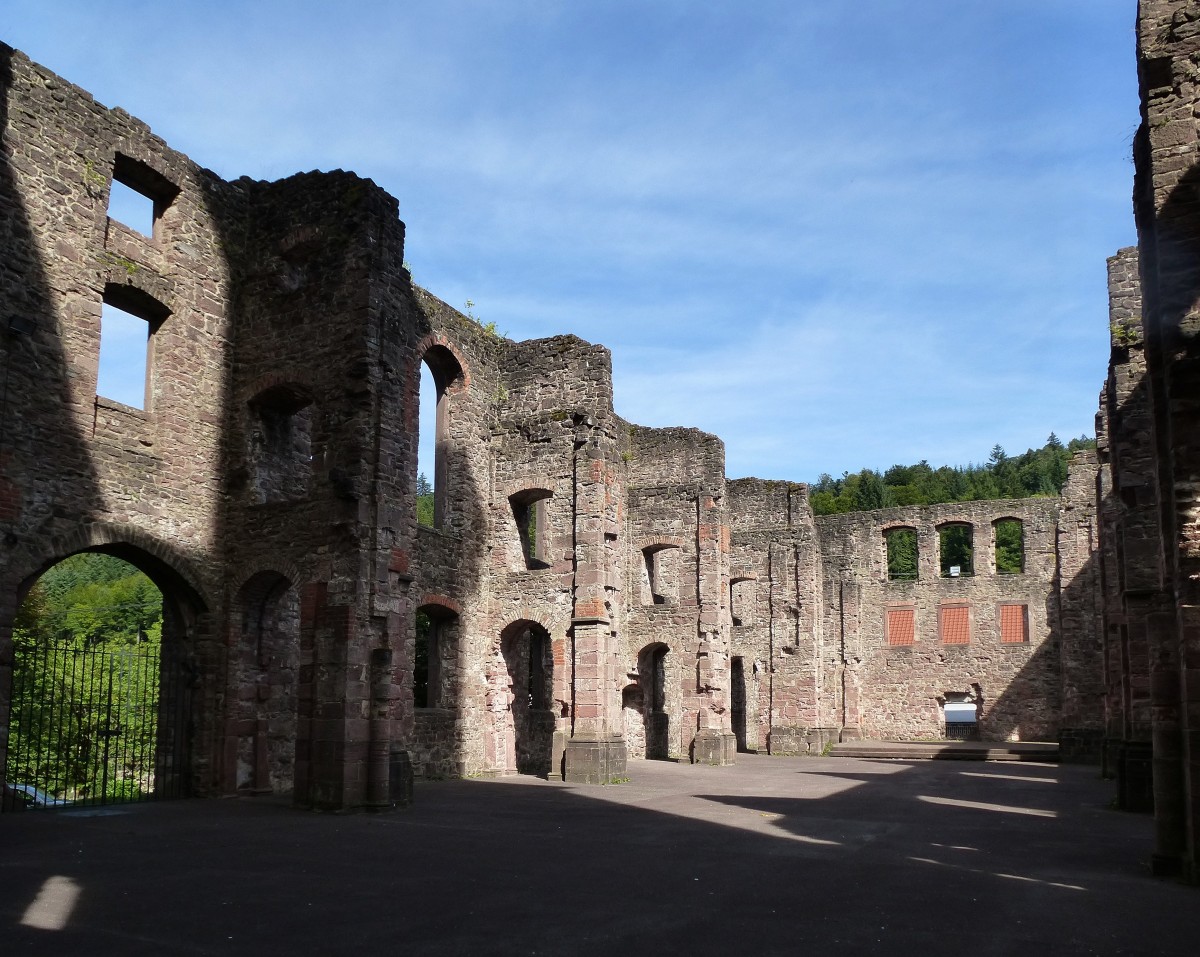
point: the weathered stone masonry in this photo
(814, 604)
(1150, 453)
(594, 591)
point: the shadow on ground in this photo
(774, 856)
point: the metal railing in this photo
(96, 725)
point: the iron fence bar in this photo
(97, 725)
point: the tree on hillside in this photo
(86, 668)
(424, 501)
(1035, 472)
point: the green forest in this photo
(86, 644)
(1034, 472)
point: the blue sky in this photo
(837, 235)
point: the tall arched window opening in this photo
(440, 370)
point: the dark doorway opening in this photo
(101, 688)
(527, 656)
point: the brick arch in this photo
(528, 483)
(255, 588)
(893, 526)
(458, 384)
(279, 382)
(440, 601)
(659, 541)
(139, 292)
(167, 562)
(555, 627)
(283, 567)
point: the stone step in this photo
(949, 750)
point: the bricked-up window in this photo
(531, 513)
(138, 195)
(956, 550)
(901, 545)
(901, 626)
(280, 445)
(128, 321)
(439, 371)
(1014, 624)
(1010, 546)
(660, 579)
(954, 624)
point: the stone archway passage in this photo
(652, 676)
(101, 689)
(529, 666)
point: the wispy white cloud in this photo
(836, 236)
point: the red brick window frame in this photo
(1014, 624)
(954, 624)
(900, 625)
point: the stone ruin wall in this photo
(776, 608)
(673, 563)
(77, 471)
(1147, 431)
(899, 690)
(269, 489)
(813, 605)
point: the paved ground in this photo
(776, 856)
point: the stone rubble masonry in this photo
(1150, 455)
(820, 593)
(596, 591)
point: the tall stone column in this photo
(715, 742)
(595, 752)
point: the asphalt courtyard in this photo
(774, 856)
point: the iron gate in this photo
(99, 725)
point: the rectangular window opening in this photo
(660, 582)
(1010, 546)
(956, 551)
(532, 519)
(901, 554)
(139, 195)
(131, 208)
(124, 357)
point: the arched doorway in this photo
(652, 676)
(265, 665)
(521, 706)
(102, 681)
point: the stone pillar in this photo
(595, 752)
(715, 742)
(379, 752)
